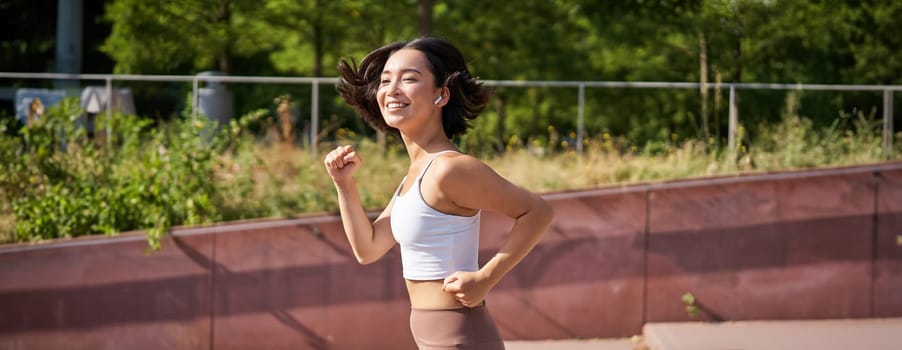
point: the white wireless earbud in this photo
(438, 99)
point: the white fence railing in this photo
(887, 90)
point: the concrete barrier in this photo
(794, 245)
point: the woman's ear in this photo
(445, 95)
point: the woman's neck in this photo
(425, 139)
(418, 148)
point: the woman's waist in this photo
(428, 295)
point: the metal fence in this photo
(581, 86)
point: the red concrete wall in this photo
(887, 292)
(798, 245)
(773, 249)
(105, 294)
(585, 278)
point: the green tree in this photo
(312, 35)
(537, 40)
(182, 36)
(874, 42)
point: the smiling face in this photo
(407, 89)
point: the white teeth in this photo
(396, 105)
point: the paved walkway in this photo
(845, 334)
(589, 344)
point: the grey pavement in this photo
(571, 344)
(833, 334)
(842, 334)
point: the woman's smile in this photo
(396, 105)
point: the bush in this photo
(63, 183)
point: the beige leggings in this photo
(463, 328)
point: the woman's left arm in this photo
(469, 183)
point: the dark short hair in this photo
(358, 85)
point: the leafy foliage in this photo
(181, 35)
(689, 301)
(62, 183)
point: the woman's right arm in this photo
(369, 240)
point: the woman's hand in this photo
(469, 288)
(342, 162)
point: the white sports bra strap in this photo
(428, 163)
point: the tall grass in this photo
(794, 143)
(279, 180)
(267, 180)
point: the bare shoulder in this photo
(470, 183)
(460, 167)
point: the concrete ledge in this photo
(843, 334)
(571, 344)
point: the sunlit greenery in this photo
(58, 182)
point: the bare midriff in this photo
(428, 295)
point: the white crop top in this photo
(433, 244)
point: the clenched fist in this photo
(469, 288)
(342, 162)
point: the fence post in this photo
(734, 119)
(888, 123)
(109, 109)
(194, 100)
(580, 125)
(314, 116)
